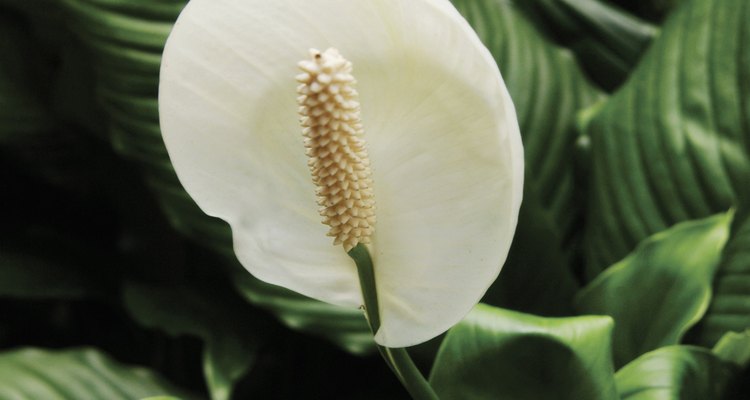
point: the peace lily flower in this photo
(423, 122)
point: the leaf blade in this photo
(730, 306)
(547, 87)
(675, 372)
(496, 353)
(76, 374)
(669, 275)
(663, 151)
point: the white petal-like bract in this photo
(439, 126)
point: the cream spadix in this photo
(442, 138)
(338, 162)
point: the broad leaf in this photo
(547, 87)
(730, 306)
(675, 373)
(672, 144)
(660, 290)
(734, 347)
(78, 374)
(607, 41)
(230, 343)
(500, 354)
(653, 10)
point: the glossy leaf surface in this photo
(730, 306)
(661, 289)
(672, 143)
(607, 41)
(734, 347)
(498, 354)
(675, 373)
(77, 374)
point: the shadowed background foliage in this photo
(636, 125)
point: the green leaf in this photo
(161, 398)
(672, 144)
(730, 306)
(125, 40)
(607, 41)
(660, 290)
(734, 347)
(547, 87)
(77, 374)
(500, 354)
(230, 343)
(675, 373)
(654, 10)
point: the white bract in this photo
(439, 126)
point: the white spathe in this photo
(441, 132)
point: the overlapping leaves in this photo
(77, 374)
(496, 353)
(672, 144)
(730, 306)
(607, 41)
(669, 275)
(676, 372)
(547, 87)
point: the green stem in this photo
(411, 377)
(366, 272)
(397, 359)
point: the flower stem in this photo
(397, 359)
(366, 272)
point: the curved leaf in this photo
(654, 10)
(607, 41)
(547, 87)
(730, 306)
(675, 373)
(734, 347)
(500, 354)
(78, 374)
(673, 143)
(661, 289)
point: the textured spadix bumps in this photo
(339, 164)
(441, 133)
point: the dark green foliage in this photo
(635, 118)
